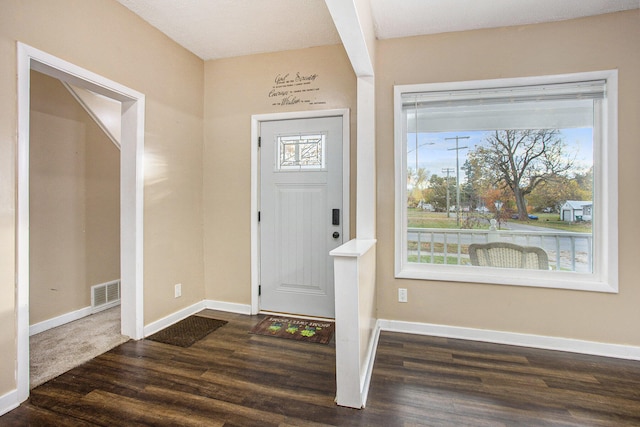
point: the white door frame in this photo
(255, 183)
(131, 195)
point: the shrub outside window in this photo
(490, 173)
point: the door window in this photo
(301, 152)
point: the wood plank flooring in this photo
(232, 378)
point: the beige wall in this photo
(74, 203)
(184, 202)
(103, 208)
(235, 89)
(106, 38)
(598, 43)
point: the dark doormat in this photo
(307, 330)
(187, 331)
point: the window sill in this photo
(506, 276)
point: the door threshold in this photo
(296, 316)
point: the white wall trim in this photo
(174, 317)
(229, 307)
(54, 322)
(369, 362)
(366, 208)
(255, 196)
(512, 338)
(181, 314)
(9, 401)
(131, 195)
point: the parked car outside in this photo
(531, 217)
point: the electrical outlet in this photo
(402, 295)
(178, 290)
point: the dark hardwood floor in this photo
(232, 378)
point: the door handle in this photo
(335, 216)
(335, 234)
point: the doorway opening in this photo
(131, 194)
(74, 227)
(302, 220)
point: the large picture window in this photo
(510, 181)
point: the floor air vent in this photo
(105, 295)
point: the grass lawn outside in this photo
(418, 218)
(552, 220)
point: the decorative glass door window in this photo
(301, 152)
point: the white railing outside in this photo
(567, 251)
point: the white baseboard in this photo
(9, 402)
(59, 320)
(169, 320)
(511, 338)
(95, 310)
(228, 307)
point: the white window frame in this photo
(604, 277)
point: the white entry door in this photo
(301, 214)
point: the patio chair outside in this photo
(508, 255)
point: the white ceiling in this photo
(214, 29)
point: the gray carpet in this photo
(60, 349)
